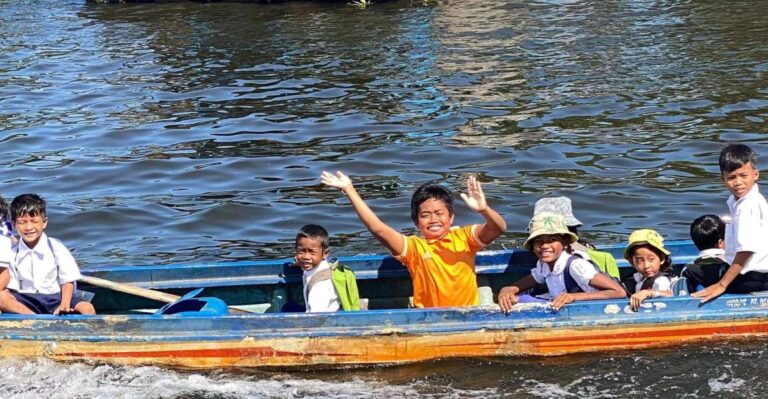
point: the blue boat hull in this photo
(380, 337)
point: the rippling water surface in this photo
(164, 133)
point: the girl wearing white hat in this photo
(568, 277)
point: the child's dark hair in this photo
(313, 231)
(428, 191)
(4, 210)
(734, 156)
(27, 204)
(707, 231)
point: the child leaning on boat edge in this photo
(50, 288)
(562, 206)
(653, 278)
(550, 240)
(442, 261)
(745, 236)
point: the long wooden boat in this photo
(211, 339)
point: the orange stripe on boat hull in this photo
(386, 348)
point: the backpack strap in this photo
(570, 283)
(322, 275)
(648, 282)
(345, 283)
(55, 261)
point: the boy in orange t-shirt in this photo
(442, 261)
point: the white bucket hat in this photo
(558, 206)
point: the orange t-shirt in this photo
(443, 270)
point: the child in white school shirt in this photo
(311, 255)
(41, 272)
(745, 236)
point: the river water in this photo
(190, 132)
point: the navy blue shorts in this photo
(42, 303)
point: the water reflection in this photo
(200, 129)
(194, 132)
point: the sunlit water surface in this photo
(165, 133)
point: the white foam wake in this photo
(26, 379)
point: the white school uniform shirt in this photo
(581, 270)
(35, 270)
(662, 283)
(323, 297)
(6, 251)
(718, 253)
(748, 230)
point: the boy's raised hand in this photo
(474, 197)
(339, 180)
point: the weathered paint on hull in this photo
(391, 348)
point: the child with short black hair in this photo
(708, 235)
(312, 256)
(745, 247)
(442, 261)
(42, 274)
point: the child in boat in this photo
(6, 227)
(745, 247)
(568, 277)
(646, 253)
(312, 256)
(6, 243)
(42, 273)
(442, 261)
(708, 234)
(562, 206)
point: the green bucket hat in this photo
(645, 237)
(546, 223)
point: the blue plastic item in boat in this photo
(188, 305)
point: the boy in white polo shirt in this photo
(311, 255)
(745, 248)
(42, 272)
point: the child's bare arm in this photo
(5, 278)
(475, 199)
(609, 289)
(66, 297)
(638, 297)
(715, 290)
(508, 294)
(392, 239)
